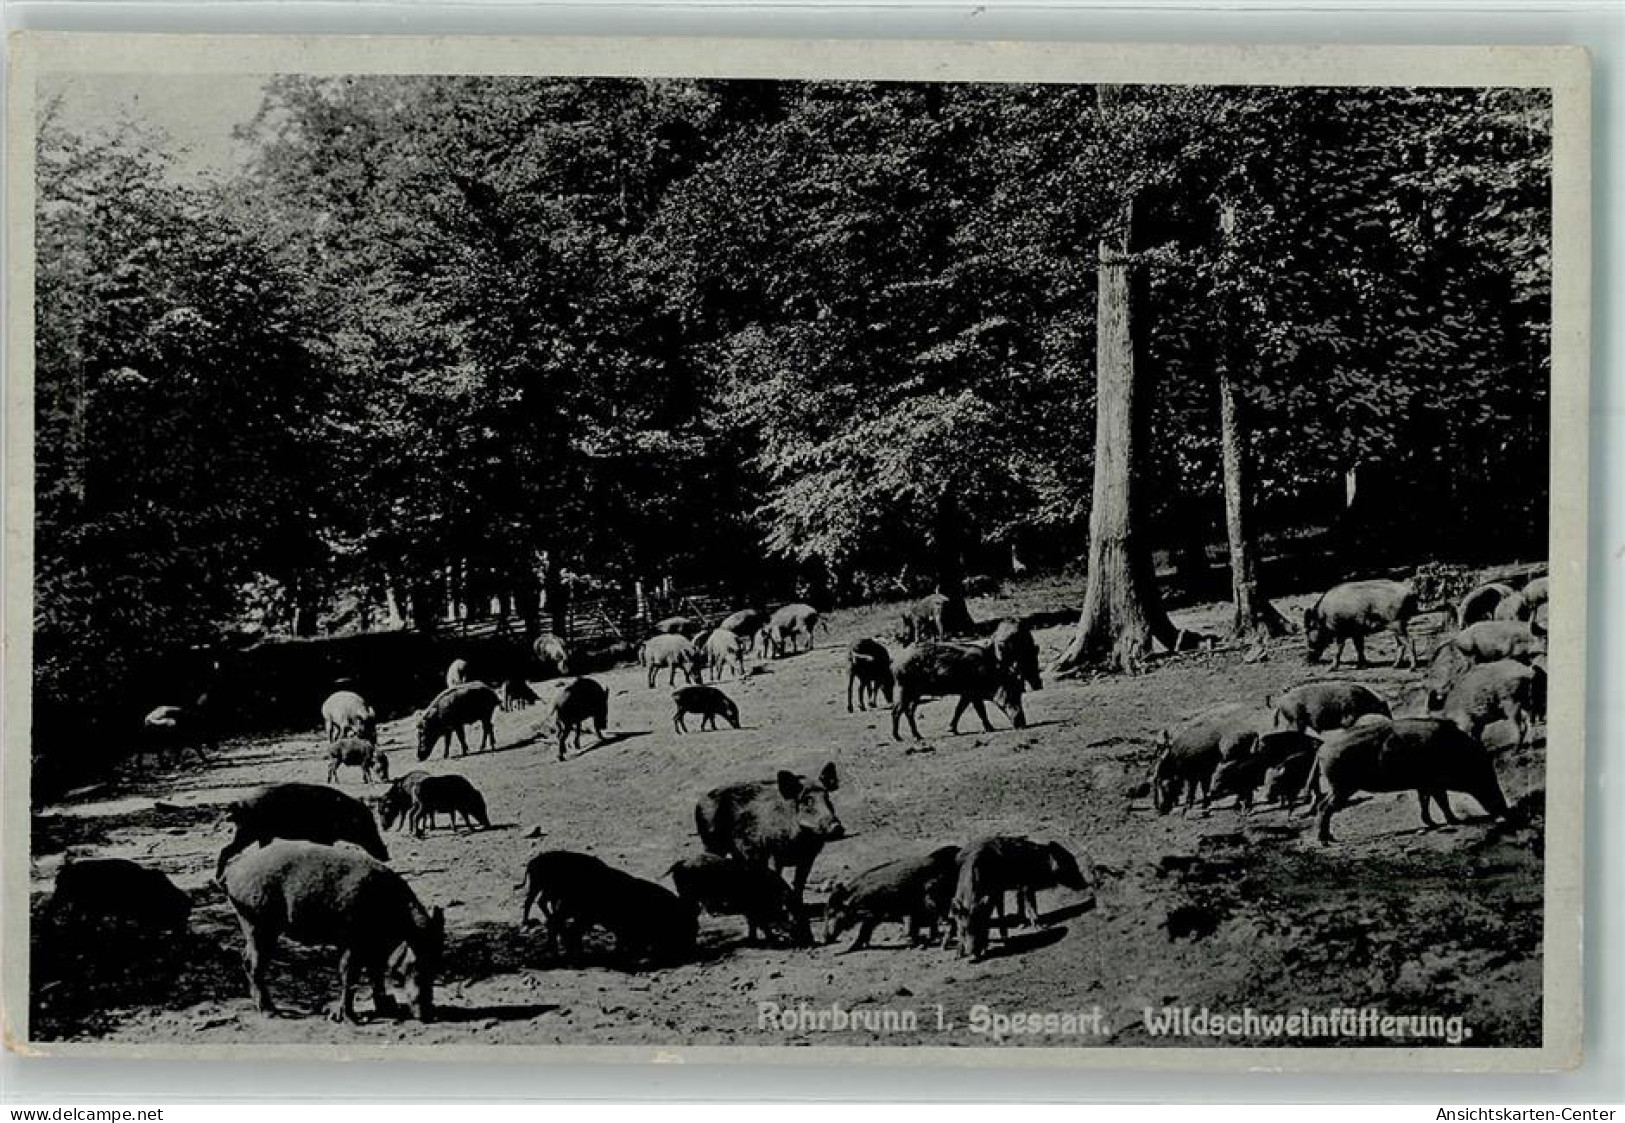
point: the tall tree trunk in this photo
(1253, 612)
(1122, 610)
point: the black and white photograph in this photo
(660, 559)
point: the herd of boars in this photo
(1323, 742)
(309, 862)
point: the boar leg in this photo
(1422, 797)
(866, 929)
(1333, 803)
(382, 1004)
(258, 943)
(344, 1009)
(461, 740)
(959, 712)
(1442, 797)
(488, 734)
(564, 735)
(981, 712)
(677, 722)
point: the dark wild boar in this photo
(935, 617)
(453, 709)
(778, 823)
(708, 702)
(426, 797)
(1017, 651)
(308, 812)
(991, 867)
(346, 714)
(970, 670)
(395, 810)
(1242, 776)
(1322, 706)
(730, 887)
(577, 892)
(1427, 755)
(582, 700)
(1192, 751)
(100, 897)
(916, 891)
(1352, 611)
(868, 665)
(1482, 603)
(356, 753)
(324, 895)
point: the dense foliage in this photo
(456, 338)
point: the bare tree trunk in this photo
(1122, 610)
(1254, 614)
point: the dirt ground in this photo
(1212, 910)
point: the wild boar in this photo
(730, 887)
(1017, 651)
(1427, 755)
(991, 867)
(346, 714)
(783, 822)
(395, 805)
(451, 710)
(357, 753)
(745, 623)
(1490, 641)
(935, 617)
(970, 670)
(168, 731)
(707, 701)
(868, 664)
(673, 652)
(325, 895)
(516, 694)
(1482, 603)
(918, 891)
(309, 812)
(552, 657)
(582, 700)
(1493, 691)
(457, 673)
(1537, 592)
(1357, 609)
(789, 624)
(1242, 776)
(686, 626)
(99, 897)
(1284, 781)
(577, 892)
(724, 649)
(1325, 705)
(420, 801)
(1192, 751)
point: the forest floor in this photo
(1211, 910)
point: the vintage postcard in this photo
(943, 553)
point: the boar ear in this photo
(789, 784)
(828, 778)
